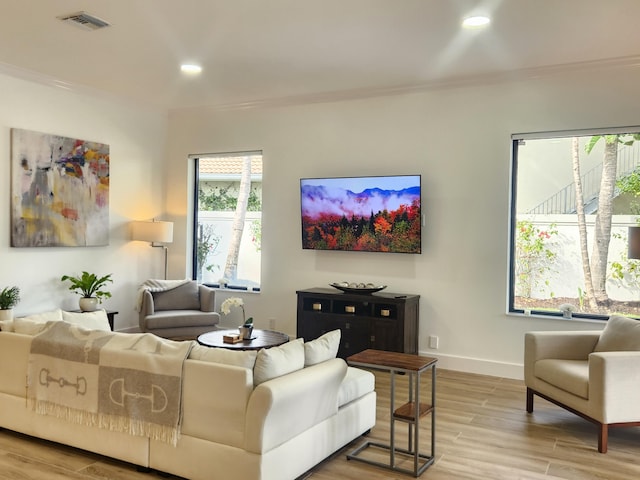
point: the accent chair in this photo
(593, 374)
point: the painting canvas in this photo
(59, 191)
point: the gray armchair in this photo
(185, 311)
(591, 374)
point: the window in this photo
(228, 220)
(574, 197)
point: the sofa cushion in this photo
(569, 375)
(184, 297)
(322, 348)
(356, 383)
(277, 361)
(90, 320)
(620, 334)
(6, 325)
(241, 358)
(34, 324)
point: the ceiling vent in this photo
(85, 21)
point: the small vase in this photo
(6, 314)
(245, 332)
(88, 304)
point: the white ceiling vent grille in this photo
(84, 20)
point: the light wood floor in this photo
(483, 432)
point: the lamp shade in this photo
(155, 232)
(634, 243)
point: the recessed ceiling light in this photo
(190, 68)
(476, 21)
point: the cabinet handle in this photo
(373, 338)
(347, 325)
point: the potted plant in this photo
(9, 298)
(246, 329)
(91, 287)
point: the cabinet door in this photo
(311, 326)
(355, 336)
(386, 335)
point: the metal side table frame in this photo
(413, 366)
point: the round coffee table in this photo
(262, 339)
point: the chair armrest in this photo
(146, 308)
(207, 298)
(569, 345)
(565, 345)
(613, 386)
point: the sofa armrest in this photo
(14, 358)
(565, 345)
(613, 386)
(281, 408)
(207, 298)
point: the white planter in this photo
(6, 314)
(88, 304)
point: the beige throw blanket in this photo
(128, 383)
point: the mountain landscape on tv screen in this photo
(375, 219)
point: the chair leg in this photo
(603, 437)
(529, 400)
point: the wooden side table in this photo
(410, 412)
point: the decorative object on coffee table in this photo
(9, 298)
(246, 329)
(358, 288)
(91, 287)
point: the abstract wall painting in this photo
(59, 191)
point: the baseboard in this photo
(478, 365)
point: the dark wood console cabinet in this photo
(382, 321)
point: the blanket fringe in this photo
(116, 423)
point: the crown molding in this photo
(345, 95)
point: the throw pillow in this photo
(184, 297)
(322, 348)
(620, 334)
(34, 324)
(277, 361)
(241, 358)
(90, 320)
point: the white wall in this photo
(136, 137)
(459, 140)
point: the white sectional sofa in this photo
(234, 425)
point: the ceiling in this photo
(256, 52)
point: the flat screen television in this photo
(369, 214)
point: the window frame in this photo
(195, 216)
(513, 215)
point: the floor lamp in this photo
(157, 233)
(634, 243)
